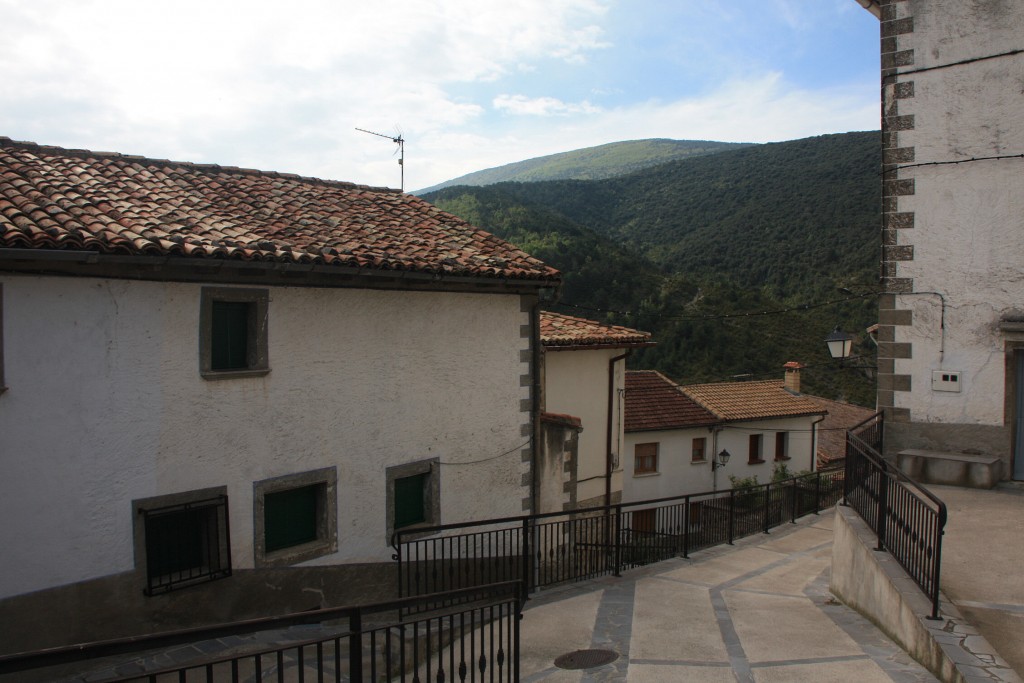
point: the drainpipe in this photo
(814, 443)
(608, 436)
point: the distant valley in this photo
(677, 247)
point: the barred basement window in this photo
(182, 539)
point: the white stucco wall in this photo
(105, 404)
(968, 237)
(576, 383)
(677, 475)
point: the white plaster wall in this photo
(106, 404)
(576, 383)
(969, 218)
(677, 475)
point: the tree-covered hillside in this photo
(592, 163)
(688, 249)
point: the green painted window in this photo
(411, 500)
(290, 517)
(229, 337)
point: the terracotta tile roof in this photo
(733, 401)
(53, 198)
(653, 401)
(558, 330)
(832, 431)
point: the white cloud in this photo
(541, 106)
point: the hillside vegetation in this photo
(592, 163)
(681, 248)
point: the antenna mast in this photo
(400, 141)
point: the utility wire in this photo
(493, 457)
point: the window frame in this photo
(325, 480)
(782, 446)
(703, 451)
(646, 457)
(258, 362)
(431, 494)
(755, 452)
(214, 500)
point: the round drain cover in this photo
(586, 659)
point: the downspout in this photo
(608, 433)
(814, 443)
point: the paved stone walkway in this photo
(759, 611)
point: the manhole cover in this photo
(585, 659)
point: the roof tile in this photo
(558, 330)
(654, 402)
(751, 400)
(73, 199)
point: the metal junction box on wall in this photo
(946, 380)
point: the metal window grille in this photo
(186, 544)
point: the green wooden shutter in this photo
(290, 517)
(229, 338)
(410, 500)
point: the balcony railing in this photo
(907, 518)
(478, 641)
(548, 549)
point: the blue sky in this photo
(470, 84)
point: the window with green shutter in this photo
(291, 517)
(229, 341)
(410, 500)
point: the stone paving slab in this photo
(757, 611)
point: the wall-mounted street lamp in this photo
(720, 460)
(839, 343)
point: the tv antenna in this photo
(400, 141)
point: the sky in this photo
(468, 84)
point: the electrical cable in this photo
(493, 457)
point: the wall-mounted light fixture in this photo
(720, 460)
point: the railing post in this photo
(686, 526)
(847, 471)
(794, 490)
(940, 523)
(355, 646)
(883, 507)
(527, 558)
(618, 541)
(732, 507)
(767, 506)
(817, 493)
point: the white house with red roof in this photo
(221, 390)
(676, 434)
(584, 379)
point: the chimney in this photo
(792, 379)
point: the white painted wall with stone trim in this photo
(105, 404)
(967, 239)
(576, 383)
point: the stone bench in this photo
(950, 469)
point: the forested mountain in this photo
(687, 249)
(592, 163)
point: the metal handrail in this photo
(23, 661)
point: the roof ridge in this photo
(234, 170)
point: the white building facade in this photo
(196, 439)
(951, 335)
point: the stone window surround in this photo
(259, 357)
(326, 542)
(170, 500)
(428, 466)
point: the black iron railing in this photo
(548, 549)
(906, 517)
(478, 641)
